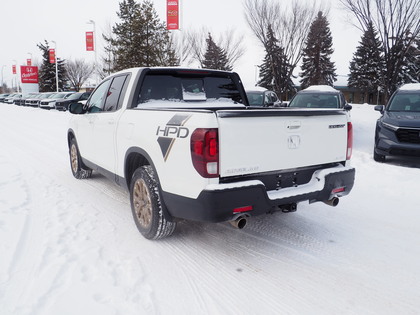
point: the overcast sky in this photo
(25, 23)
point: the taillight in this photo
(205, 152)
(338, 190)
(349, 140)
(243, 209)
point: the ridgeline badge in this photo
(336, 126)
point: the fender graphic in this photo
(174, 129)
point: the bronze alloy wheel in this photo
(142, 203)
(74, 158)
(77, 168)
(146, 205)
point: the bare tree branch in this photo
(231, 43)
(398, 26)
(290, 24)
(78, 72)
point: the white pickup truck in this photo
(187, 145)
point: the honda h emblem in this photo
(293, 141)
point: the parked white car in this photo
(49, 103)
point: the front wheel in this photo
(378, 157)
(77, 167)
(146, 205)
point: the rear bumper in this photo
(217, 202)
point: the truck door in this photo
(105, 124)
(86, 124)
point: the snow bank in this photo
(71, 247)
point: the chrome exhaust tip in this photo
(332, 202)
(239, 223)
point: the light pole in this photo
(94, 49)
(256, 74)
(16, 76)
(27, 63)
(2, 67)
(56, 65)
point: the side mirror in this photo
(348, 107)
(379, 108)
(77, 108)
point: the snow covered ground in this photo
(71, 247)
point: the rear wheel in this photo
(146, 205)
(77, 168)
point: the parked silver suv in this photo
(319, 96)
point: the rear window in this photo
(188, 88)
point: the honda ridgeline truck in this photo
(187, 145)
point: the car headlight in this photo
(389, 126)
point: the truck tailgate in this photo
(256, 141)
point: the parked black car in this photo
(398, 129)
(262, 98)
(74, 98)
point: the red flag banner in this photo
(14, 69)
(89, 41)
(29, 74)
(28, 62)
(52, 55)
(172, 15)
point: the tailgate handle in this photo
(293, 125)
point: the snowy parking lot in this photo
(70, 246)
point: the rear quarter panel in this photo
(156, 132)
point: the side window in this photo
(96, 102)
(267, 99)
(274, 97)
(342, 100)
(114, 93)
(84, 96)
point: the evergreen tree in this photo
(215, 57)
(47, 79)
(411, 67)
(140, 39)
(317, 68)
(402, 66)
(275, 69)
(415, 49)
(367, 66)
(108, 60)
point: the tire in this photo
(77, 168)
(378, 157)
(146, 205)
